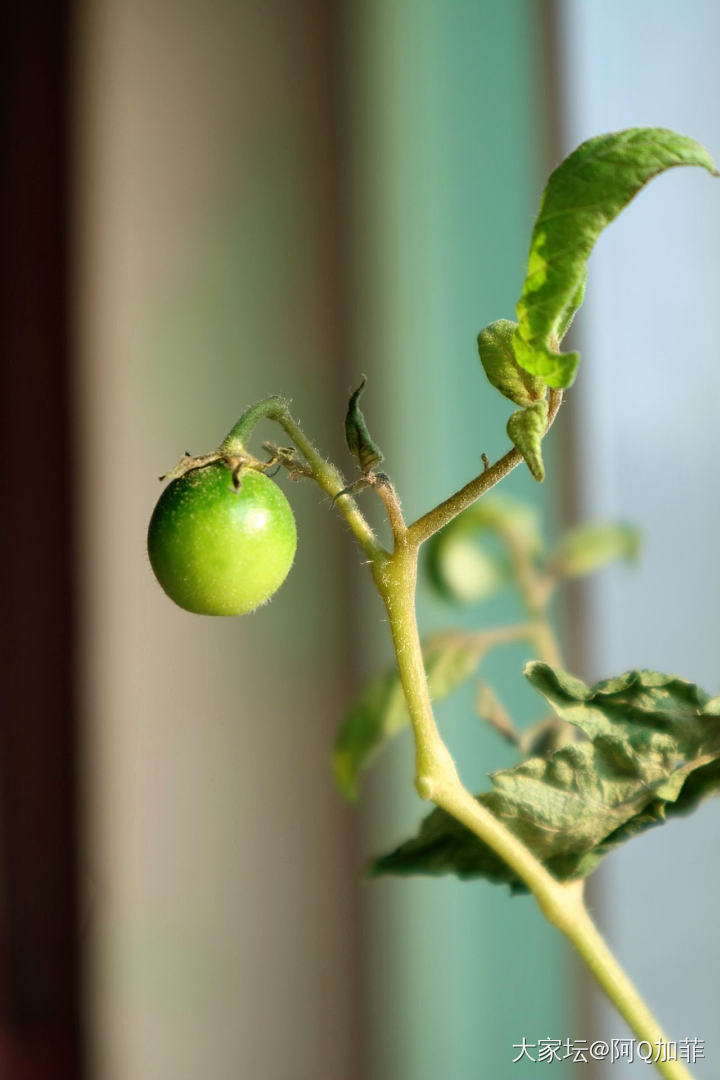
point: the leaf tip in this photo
(357, 436)
(525, 430)
(375, 868)
(534, 668)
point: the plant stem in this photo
(506, 635)
(444, 512)
(437, 779)
(536, 592)
(588, 941)
(324, 473)
(436, 776)
(547, 647)
(396, 579)
(389, 496)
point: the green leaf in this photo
(502, 369)
(526, 429)
(380, 712)
(463, 565)
(512, 519)
(570, 310)
(651, 750)
(584, 194)
(357, 436)
(589, 547)
(464, 572)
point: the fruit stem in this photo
(329, 478)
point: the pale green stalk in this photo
(437, 778)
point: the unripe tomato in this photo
(218, 551)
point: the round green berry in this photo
(217, 550)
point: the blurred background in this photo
(203, 204)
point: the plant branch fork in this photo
(437, 778)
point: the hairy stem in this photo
(396, 579)
(324, 473)
(436, 776)
(437, 779)
(444, 512)
(389, 496)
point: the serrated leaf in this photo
(589, 547)
(461, 562)
(495, 346)
(652, 751)
(525, 429)
(584, 194)
(380, 712)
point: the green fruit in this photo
(220, 551)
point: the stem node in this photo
(425, 787)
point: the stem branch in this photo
(436, 776)
(444, 512)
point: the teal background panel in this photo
(450, 141)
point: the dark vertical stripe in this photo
(38, 963)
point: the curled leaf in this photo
(651, 751)
(495, 345)
(525, 429)
(357, 436)
(584, 194)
